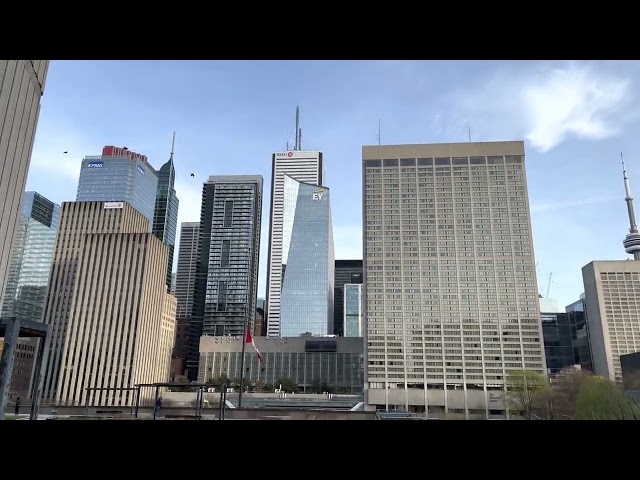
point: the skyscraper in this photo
(306, 295)
(77, 221)
(165, 218)
(184, 286)
(612, 301)
(31, 258)
(226, 285)
(25, 294)
(556, 334)
(352, 319)
(22, 85)
(450, 278)
(347, 271)
(303, 166)
(120, 322)
(119, 175)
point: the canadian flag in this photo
(249, 339)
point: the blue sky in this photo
(230, 116)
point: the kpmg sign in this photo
(318, 194)
(95, 164)
(140, 170)
(109, 205)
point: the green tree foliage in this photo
(288, 385)
(561, 398)
(524, 392)
(602, 399)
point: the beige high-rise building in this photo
(21, 87)
(612, 300)
(106, 304)
(450, 280)
(167, 338)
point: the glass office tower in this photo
(352, 310)
(119, 175)
(165, 219)
(31, 258)
(307, 260)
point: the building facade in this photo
(185, 284)
(26, 289)
(165, 216)
(303, 166)
(77, 221)
(22, 85)
(450, 280)
(346, 271)
(31, 258)
(556, 334)
(226, 285)
(337, 363)
(352, 310)
(115, 336)
(23, 368)
(119, 175)
(580, 334)
(306, 294)
(612, 301)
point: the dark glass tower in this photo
(347, 271)
(31, 258)
(165, 215)
(226, 283)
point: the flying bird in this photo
(192, 175)
(65, 152)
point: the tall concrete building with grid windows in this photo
(22, 85)
(107, 305)
(450, 279)
(612, 301)
(184, 285)
(226, 283)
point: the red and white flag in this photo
(249, 339)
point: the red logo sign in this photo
(111, 151)
(290, 154)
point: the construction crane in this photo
(548, 286)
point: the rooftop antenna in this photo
(379, 132)
(300, 139)
(297, 128)
(171, 177)
(632, 240)
(469, 128)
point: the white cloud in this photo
(549, 105)
(553, 206)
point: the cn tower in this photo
(632, 240)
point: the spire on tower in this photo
(632, 240)
(297, 147)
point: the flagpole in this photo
(244, 344)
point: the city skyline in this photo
(568, 113)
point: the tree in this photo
(287, 385)
(261, 386)
(221, 380)
(524, 388)
(602, 399)
(562, 396)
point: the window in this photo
(224, 256)
(228, 213)
(222, 295)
